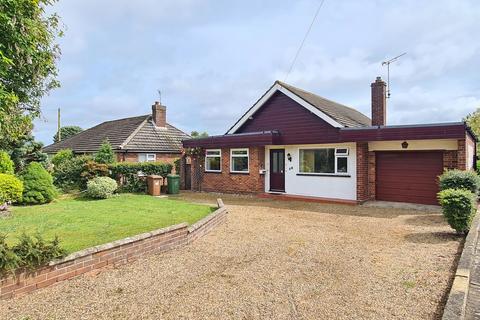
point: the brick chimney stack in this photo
(159, 115)
(379, 102)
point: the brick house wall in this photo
(161, 157)
(362, 171)
(252, 182)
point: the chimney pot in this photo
(159, 114)
(379, 102)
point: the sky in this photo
(212, 60)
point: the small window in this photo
(239, 160)
(341, 152)
(342, 164)
(147, 157)
(213, 160)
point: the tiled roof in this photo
(151, 138)
(344, 115)
(124, 134)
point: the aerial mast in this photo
(387, 63)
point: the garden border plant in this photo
(458, 198)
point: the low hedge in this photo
(459, 179)
(459, 207)
(127, 173)
(29, 253)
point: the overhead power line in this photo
(304, 38)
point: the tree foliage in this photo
(62, 156)
(27, 150)
(28, 54)
(6, 164)
(67, 132)
(105, 154)
(198, 135)
(473, 121)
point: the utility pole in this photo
(58, 127)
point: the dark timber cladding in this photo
(295, 123)
(408, 176)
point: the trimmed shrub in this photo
(127, 174)
(458, 179)
(62, 156)
(11, 188)
(459, 207)
(37, 185)
(101, 187)
(6, 164)
(105, 154)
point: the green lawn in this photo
(81, 223)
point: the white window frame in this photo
(147, 155)
(240, 156)
(213, 156)
(337, 155)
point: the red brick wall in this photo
(252, 182)
(362, 171)
(371, 175)
(450, 159)
(103, 255)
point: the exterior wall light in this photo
(404, 145)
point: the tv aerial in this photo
(387, 63)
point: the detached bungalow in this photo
(136, 139)
(295, 143)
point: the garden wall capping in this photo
(113, 254)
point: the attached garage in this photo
(408, 176)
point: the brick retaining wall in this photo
(111, 254)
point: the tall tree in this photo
(67, 132)
(28, 54)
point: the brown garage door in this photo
(408, 176)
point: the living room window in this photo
(239, 160)
(213, 160)
(324, 161)
(147, 157)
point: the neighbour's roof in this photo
(129, 134)
(344, 115)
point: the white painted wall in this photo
(316, 186)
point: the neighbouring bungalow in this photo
(297, 144)
(136, 139)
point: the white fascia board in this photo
(291, 95)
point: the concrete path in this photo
(472, 310)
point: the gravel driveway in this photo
(273, 261)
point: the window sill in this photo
(325, 175)
(208, 171)
(240, 172)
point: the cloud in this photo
(213, 59)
